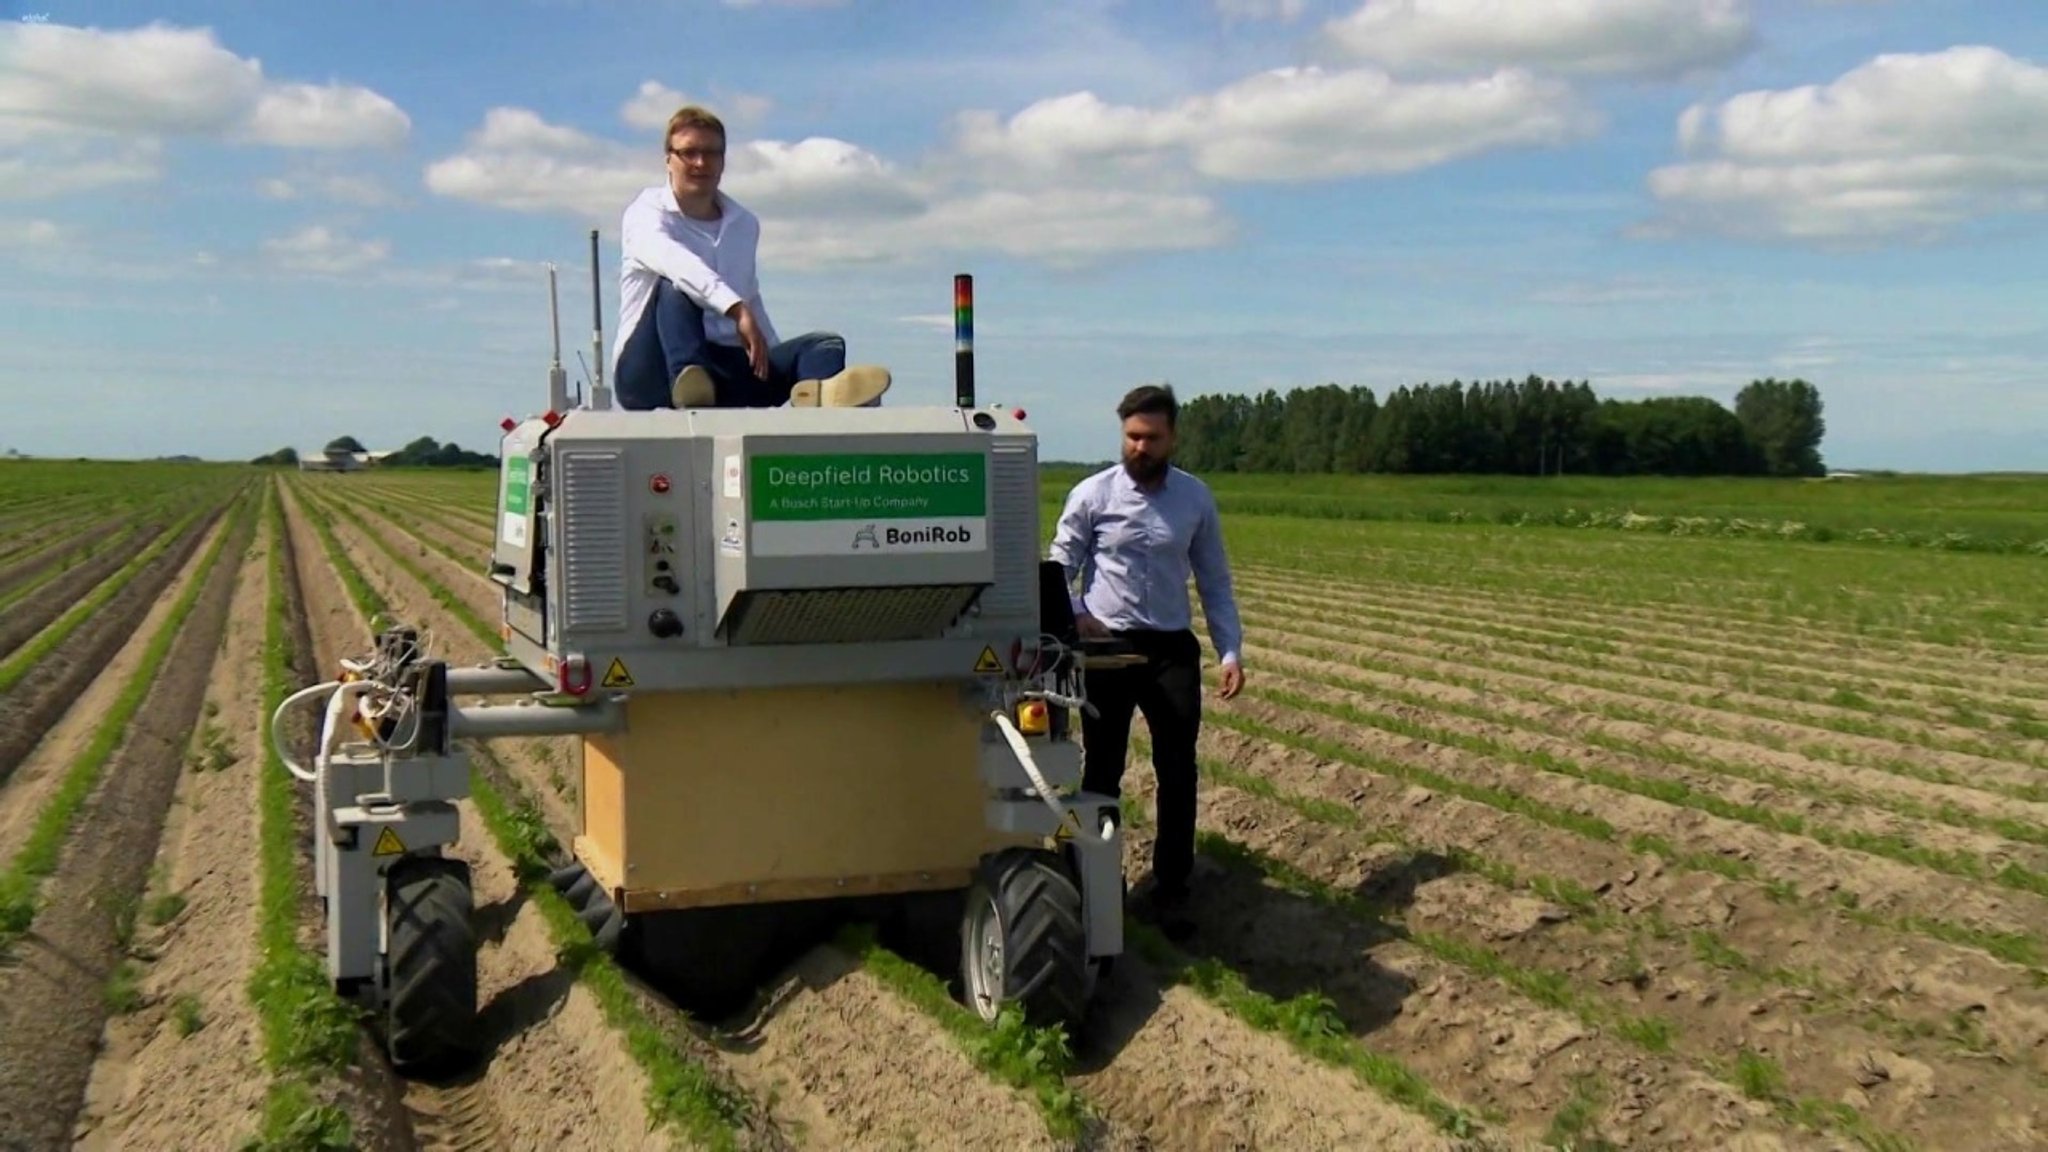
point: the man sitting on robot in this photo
(693, 331)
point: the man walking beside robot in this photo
(693, 330)
(1132, 534)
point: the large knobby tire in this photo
(1023, 941)
(431, 1012)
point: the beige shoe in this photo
(693, 389)
(860, 386)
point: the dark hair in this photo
(1150, 399)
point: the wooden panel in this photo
(602, 845)
(707, 792)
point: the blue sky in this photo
(234, 226)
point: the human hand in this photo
(1090, 628)
(752, 340)
(1233, 682)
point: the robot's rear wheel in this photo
(1023, 941)
(431, 1007)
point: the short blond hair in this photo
(693, 116)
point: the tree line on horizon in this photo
(1534, 427)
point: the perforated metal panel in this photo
(846, 615)
(1013, 504)
(594, 539)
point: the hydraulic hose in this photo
(1022, 747)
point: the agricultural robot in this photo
(813, 667)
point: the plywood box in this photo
(721, 797)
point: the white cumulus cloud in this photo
(1637, 38)
(1903, 146)
(1285, 124)
(321, 250)
(84, 108)
(823, 201)
(1065, 180)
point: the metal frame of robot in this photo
(387, 771)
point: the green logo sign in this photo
(516, 485)
(873, 486)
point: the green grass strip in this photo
(1015, 1053)
(452, 603)
(21, 883)
(25, 658)
(681, 1092)
(1308, 1022)
(308, 1031)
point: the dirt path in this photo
(55, 996)
(1852, 801)
(185, 1070)
(23, 792)
(1925, 984)
(1943, 1095)
(1791, 652)
(1533, 697)
(29, 708)
(1676, 676)
(1717, 607)
(555, 1073)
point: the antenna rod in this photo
(963, 341)
(600, 396)
(558, 380)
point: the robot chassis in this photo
(810, 661)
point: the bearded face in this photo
(1147, 447)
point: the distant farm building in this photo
(337, 460)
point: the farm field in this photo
(1522, 835)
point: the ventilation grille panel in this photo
(846, 615)
(1013, 502)
(594, 541)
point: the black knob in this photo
(664, 623)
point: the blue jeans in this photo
(670, 337)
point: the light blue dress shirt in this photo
(1134, 550)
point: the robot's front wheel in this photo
(1023, 940)
(430, 1005)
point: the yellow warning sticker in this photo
(388, 844)
(986, 664)
(616, 676)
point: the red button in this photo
(659, 483)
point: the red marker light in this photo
(553, 418)
(1017, 412)
(508, 423)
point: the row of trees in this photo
(425, 452)
(1534, 427)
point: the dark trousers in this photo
(670, 337)
(1167, 689)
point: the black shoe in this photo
(1169, 908)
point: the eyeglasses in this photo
(687, 154)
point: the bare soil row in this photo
(75, 966)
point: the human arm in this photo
(1073, 545)
(1218, 593)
